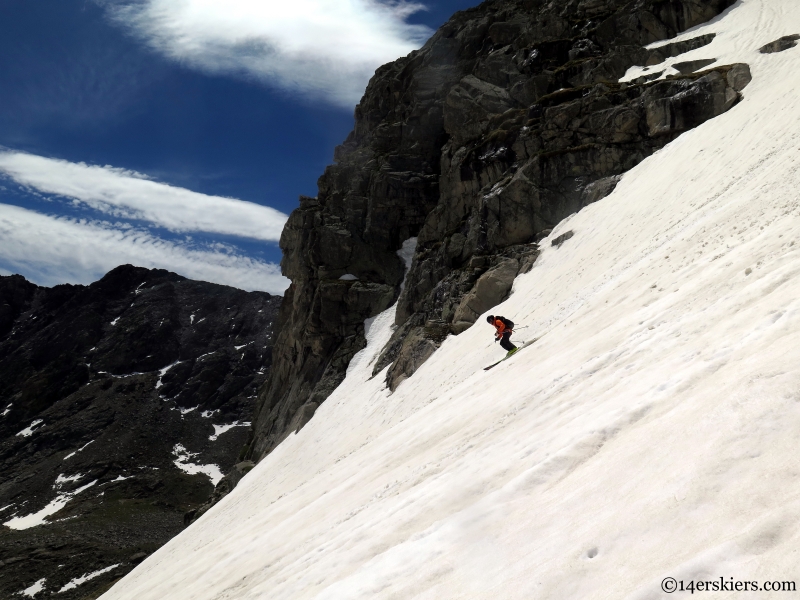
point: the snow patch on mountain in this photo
(71, 454)
(220, 429)
(162, 372)
(83, 579)
(34, 589)
(62, 479)
(182, 458)
(30, 429)
(39, 518)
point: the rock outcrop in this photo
(509, 119)
(116, 401)
(780, 45)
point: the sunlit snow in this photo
(651, 432)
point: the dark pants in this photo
(505, 342)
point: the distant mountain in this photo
(122, 402)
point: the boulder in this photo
(558, 241)
(415, 350)
(490, 290)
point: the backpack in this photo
(507, 322)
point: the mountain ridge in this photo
(111, 396)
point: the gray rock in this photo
(660, 54)
(690, 66)
(597, 190)
(491, 289)
(781, 44)
(304, 415)
(470, 106)
(135, 559)
(676, 105)
(416, 348)
(557, 242)
(739, 77)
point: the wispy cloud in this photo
(322, 48)
(52, 250)
(131, 195)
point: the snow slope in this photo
(652, 431)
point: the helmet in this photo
(490, 319)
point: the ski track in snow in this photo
(651, 432)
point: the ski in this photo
(525, 345)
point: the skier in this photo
(505, 328)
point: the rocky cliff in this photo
(508, 120)
(121, 403)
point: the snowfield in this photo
(651, 432)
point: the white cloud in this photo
(328, 49)
(128, 194)
(52, 250)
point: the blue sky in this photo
(178, 134)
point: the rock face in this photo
(103, 389)
(509, 119)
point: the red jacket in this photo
(501, 328)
